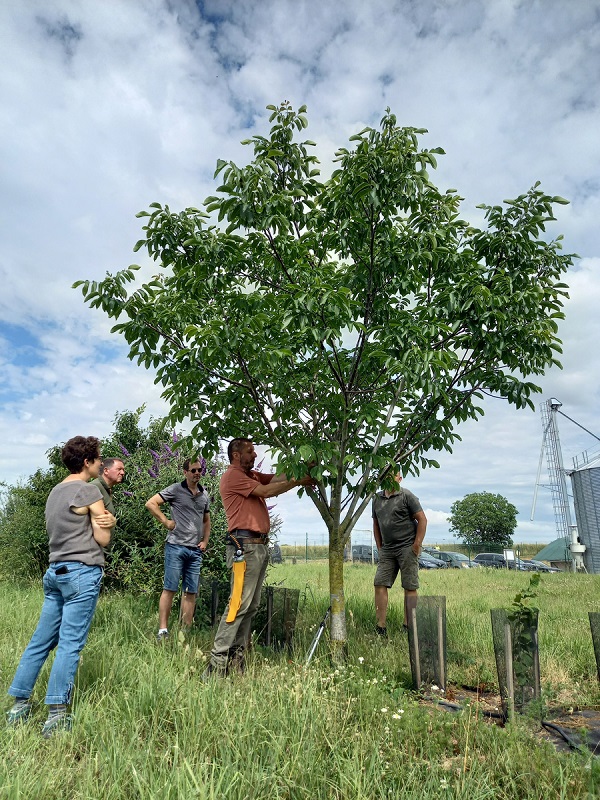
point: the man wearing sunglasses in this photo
(187, 539)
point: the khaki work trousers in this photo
(234, 635)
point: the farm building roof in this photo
(558, 550)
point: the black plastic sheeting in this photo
(584, 737)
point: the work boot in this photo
(212, 671)
(381, 631)
(236, 660)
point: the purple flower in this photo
(152, 473)
(128, 494)
(168, 449)
(213, 471)
(202, 466)
(124, 450)
(155, 455)
(175, 437)
(270, 507)
(139, 469)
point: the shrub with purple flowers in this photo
(135, 561)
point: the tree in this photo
(483, 518)
(351, 322)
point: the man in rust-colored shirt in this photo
(244, 493)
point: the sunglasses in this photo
(194, 470)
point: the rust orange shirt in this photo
(243, 509)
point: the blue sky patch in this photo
(24, 347)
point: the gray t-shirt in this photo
(395, 516)
(70, 535)
(188, 511)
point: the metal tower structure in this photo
(556, 470)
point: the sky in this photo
(108, 107)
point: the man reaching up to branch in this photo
(399, 525)
(244, 493)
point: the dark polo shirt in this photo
(395, 517)
(188, 511)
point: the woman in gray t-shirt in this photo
(78, 527)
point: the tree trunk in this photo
(336, 596)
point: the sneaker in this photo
(19, 713)
(162, 636)
(381, 631)
(56, 724)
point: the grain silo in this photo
(585, 479)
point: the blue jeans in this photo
(70, 600)
(182, 563)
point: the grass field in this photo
(147, 727)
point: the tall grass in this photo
(148, 727)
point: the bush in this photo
(135, 561)
(136, 558)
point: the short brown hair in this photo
(77, 450)
(235, 446)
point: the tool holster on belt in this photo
(239, 570)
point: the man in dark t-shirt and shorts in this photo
(399, 525)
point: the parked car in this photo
(497, 561)
(537, 566)
(455, 560)
(429, 562)
(362, 552)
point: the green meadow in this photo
(147, 727)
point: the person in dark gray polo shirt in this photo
(399, 525)
(187, 539)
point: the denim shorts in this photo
(182, 564)
(405, 562)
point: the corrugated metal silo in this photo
(586, 496)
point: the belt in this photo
(247, 536)
(246, 540)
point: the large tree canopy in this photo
(351, 322)
(483, 518)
